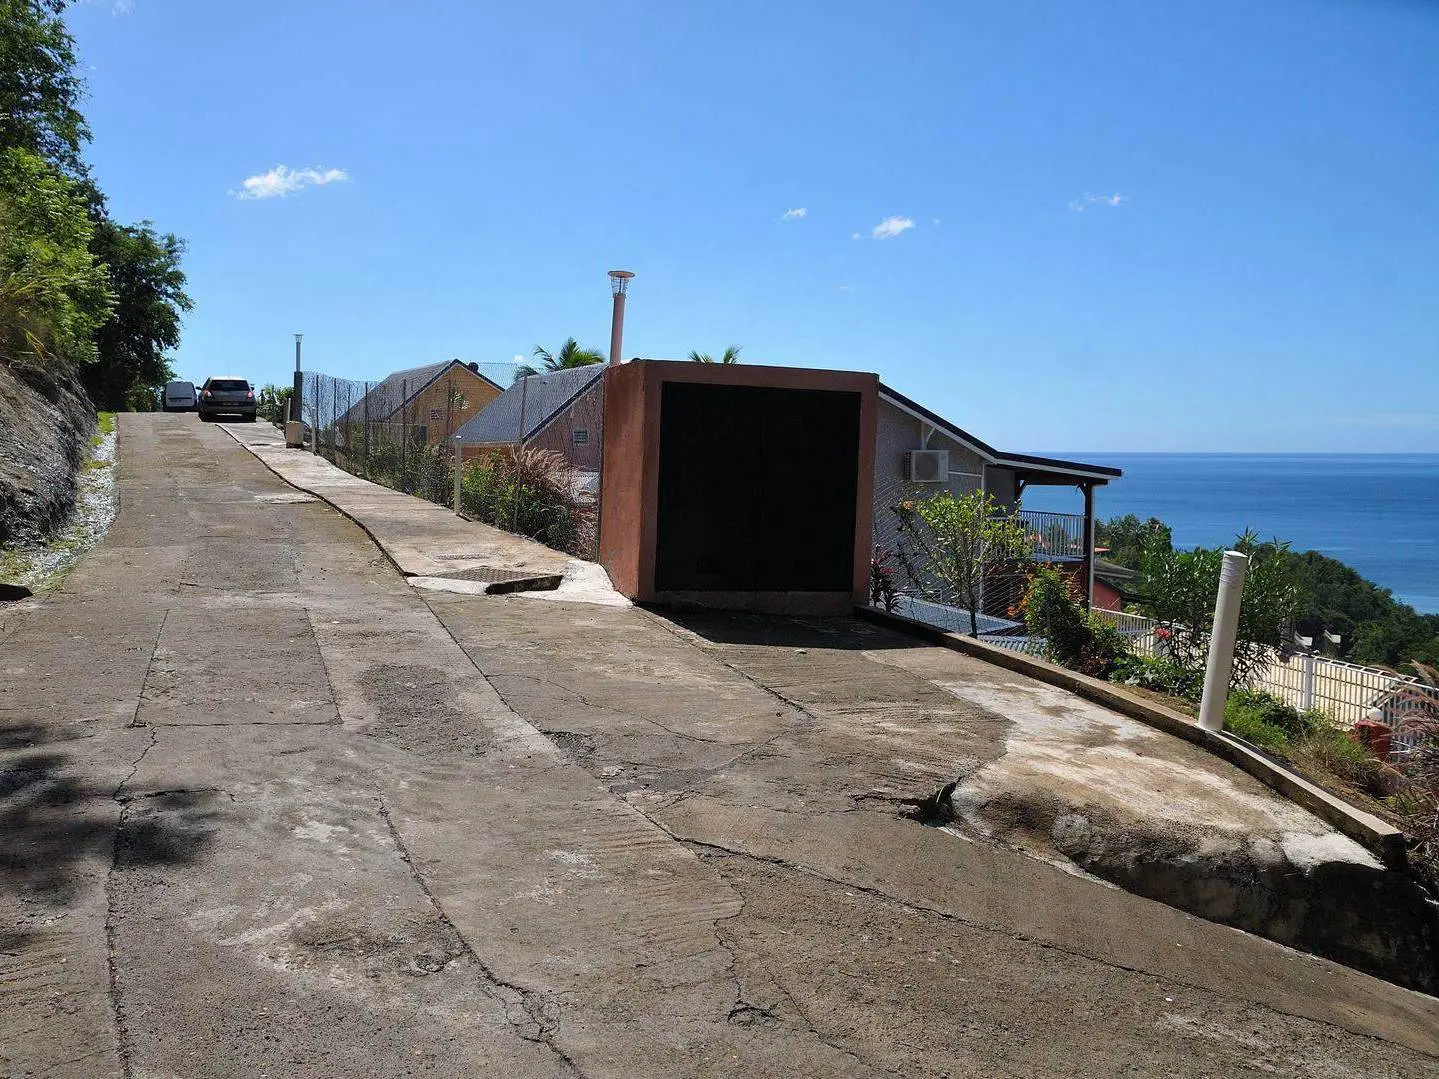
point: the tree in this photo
(39, 90)
(1180, 587)
(53, 296)
(1076, 638)
(569, 355)
(273, 402)
(730, 355)
(149, 289)
(956, 539)
(1127, 538)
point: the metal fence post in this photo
(1221, 641)
(1306, 692)
(459, 471)
(404, 434)
(519, 445)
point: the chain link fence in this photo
(398, 431)
(538, 475)
(921, 595)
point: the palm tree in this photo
(730, 355)
(569, 355)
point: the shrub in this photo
(1159, 674)
(1267, 708)
(883, 589)
(1340, 754)
(1180, 589)
(1073, 636)
(1251, 726)
(531, 492)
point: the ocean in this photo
(1377, 512)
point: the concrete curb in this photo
(539, 582)
(1364, 828)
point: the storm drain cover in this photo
(488, 575)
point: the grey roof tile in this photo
(543, 396)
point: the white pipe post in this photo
(1221, 641)
(1306, 692)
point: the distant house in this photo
(420, 404)
(919, 453)
(1112, 582)
(561, 411)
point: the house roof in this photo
(401, 387)
(1020, 462)
(1103, 567)
(540, 397)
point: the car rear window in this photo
(229, 384)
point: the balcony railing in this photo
(1055, 535)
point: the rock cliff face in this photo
(46, 422)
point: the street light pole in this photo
(619, 285)
(297, 393)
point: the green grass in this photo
(1252, 727)
(13, 565)
(105, 425)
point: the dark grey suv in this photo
(226, 395)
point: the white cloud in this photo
(856, 236)
(891, 226)
(1087, 200)
(790, 215)
(281, 181)
(121, 7)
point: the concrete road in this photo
(264, 815)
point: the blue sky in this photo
(1112, 226)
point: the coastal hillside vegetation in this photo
(89, 306)
(81, 294)
(1374, 628)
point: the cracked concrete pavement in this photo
(269, 810)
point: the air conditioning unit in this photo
(927, 466)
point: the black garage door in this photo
(756, 489)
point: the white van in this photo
(179, 397)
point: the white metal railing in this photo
(1127, 623)
(1054, 535)
(1347, 692)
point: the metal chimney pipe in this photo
(619, 285)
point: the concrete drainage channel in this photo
(1356, 912)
